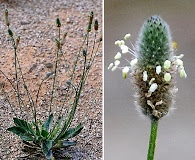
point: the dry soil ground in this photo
(34, 21)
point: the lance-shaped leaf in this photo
(72, 132)
(23, 124)
(46, 148)
(21, 132)
(48, 123)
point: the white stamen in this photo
(125, 72)
(111, 65)
(150, 104)
(159, 103)
(153, 87)
(114, 68)
(158, 69)
(180, 56)
(127, 36)
(117, 56)
(117, 62)
(167, 77)
(145, 76)
(124, 48)
(179, 62)
(151, 81)
(182, 73)
(133, 62)
(167, 64)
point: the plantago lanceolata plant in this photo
(43, 137)
(153, 69)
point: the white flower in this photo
(153, 87)
(179, 62)
(122, 43)
(167, 77)
(125, 72)
(117, 62)
(127, 36)
(117, 42)
(158, 69)
(151, 81)
(180, 68)
(167, 64)
(133, 62)
(114, 68)
(111, 65)
(124, 48)
(182, 73)
(180, 56)
(145, 76)
(117, 56)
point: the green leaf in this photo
(67, 143)
(44, 133)
(72, 132)
(38, 133)
(49, 154)
(21, 132)
(56, 128)
(48, 123)
(23, 124)
(46, 147)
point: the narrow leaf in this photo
(46, 146)
(67, 143)
(21, 132)
(56, 128)
(44, 133)
(23, 124)
(72, 132)
(48, 123)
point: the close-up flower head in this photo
(152, 66)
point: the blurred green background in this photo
(126, 133)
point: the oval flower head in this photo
(147, 75)
(153, 68)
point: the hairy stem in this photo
(152, 143)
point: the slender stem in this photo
(16, 76)
(152, 143)
(55, 72)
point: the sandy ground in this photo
(34, 21)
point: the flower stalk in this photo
(152, 142)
